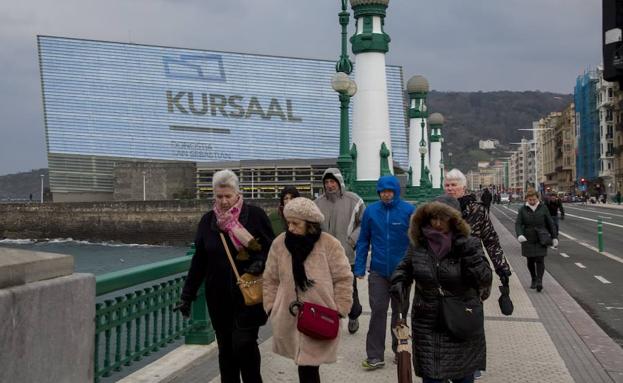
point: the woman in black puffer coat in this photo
(442, 254)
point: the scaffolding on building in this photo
(587, 123)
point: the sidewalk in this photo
(548, 338)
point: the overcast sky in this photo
(459, 45)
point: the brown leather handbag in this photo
(250, 285)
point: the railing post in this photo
(600, 237)
(202, 331)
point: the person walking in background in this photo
(305, 264)
(618, 197)
(287, 194)
(342, 211)
(478, 219)
(554, 204)
(486, 199)
(248, 235)
(535, 231)
(444, 261)
(384, 228)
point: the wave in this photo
(17, 241)
(74, 241)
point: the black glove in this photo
(484, 293)
(184, 308)
(505, 302)
(396, 290)
(255, 268)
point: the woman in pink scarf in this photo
(248, 234)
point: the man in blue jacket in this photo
(384, 226)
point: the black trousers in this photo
(309, 374)
(536, 267)
(239, 355)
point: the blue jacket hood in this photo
(389, 183)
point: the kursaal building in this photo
(106, 103)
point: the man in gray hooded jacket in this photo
(342, 212)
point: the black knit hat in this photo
(292, 190)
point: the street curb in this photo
(605, 350)
(173, 365)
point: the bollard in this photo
(202, 332)
(600, 238)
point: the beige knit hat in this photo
(303, 208)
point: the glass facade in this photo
(107, 100)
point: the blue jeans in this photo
(465, 379)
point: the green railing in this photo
(135, 324)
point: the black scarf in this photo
(299, 247)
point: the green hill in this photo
(20, 186)
(473, 116)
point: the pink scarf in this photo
(228, 222)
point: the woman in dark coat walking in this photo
(443, 258)
(249, 235)
(532, 218)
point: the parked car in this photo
(505, 198)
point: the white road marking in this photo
(593, 220)
(613, 308)
(596, 211)
(602, 279)
(581, 266)
(564, 255)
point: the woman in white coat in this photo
(306, 262)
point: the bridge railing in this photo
(133, 324)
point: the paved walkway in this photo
(549, 338)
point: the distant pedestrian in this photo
(384, 229)
(248, 234)
(554, 204)
(304, 264)
(31, 197)
(534, 228)
(486, 199)
(287, 194)
(618, 197)
(445, 262)
(342, 212)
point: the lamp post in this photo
(423, 150)
(42, 178)
(346, 88)
(450, 160)
(144, 191)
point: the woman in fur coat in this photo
(307, 265)
(444, 261)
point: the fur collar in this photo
(422, 216)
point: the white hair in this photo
(225, 178)
(456, 175)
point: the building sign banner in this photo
(137, 101)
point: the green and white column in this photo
(370, 129)
(435, 122)
(417, 87)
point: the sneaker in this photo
(353, 325)
(477, 375)
(373, 364)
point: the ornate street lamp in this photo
(346, 88)
(424, 181)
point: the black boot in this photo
(533, 284)
(539, 285)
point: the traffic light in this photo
(583, 180)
